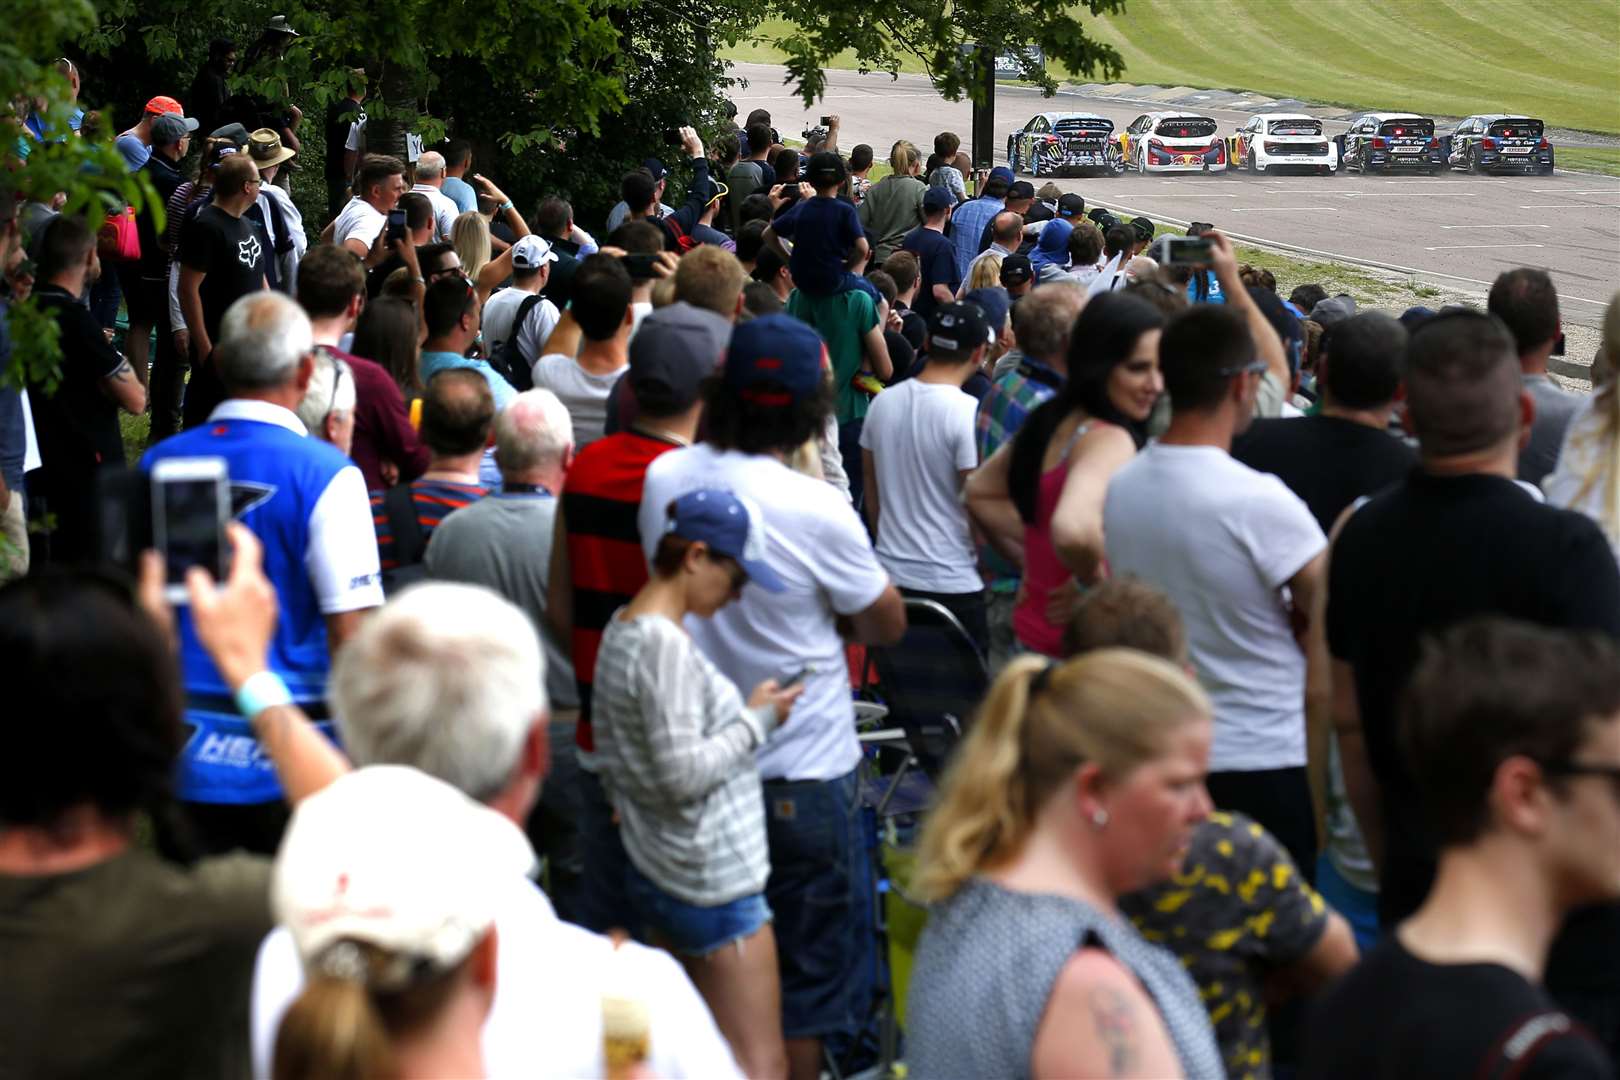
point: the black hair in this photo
(1462, 382)
(219, 47)
(457, 152)
(757, 207)
(458, 411)
(1306, 297)
(1118, 238)
(767, 265)
(759, 137)
(1104, 336)
(601, 295)
(64, 244)
(428, 255)
(447, 301)
(728, 149)
(758, 299)
(1525, 300)
(1364, 368)
(860, 158)
(744, 424)
(636, 190)
(418, 211)
(786, 164)
(553, 216)
(1198, 346)
(328, 278)
(750, 240)
(94, 701)
(638, 238)
(1490, 689)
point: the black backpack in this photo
(513, 366)
(410, 546)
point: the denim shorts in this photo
(820, 889)
(688, 929)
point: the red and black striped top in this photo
(433, 499)
(600, 500)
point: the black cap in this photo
(1015, 270)
(675, 349)
(1070, 204)
(826, 169)
(958, 327)
(1143, 227)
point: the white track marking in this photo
(1561, 191)
(1496, 226)
(1271, 209)
(1571, 206)
(1475, 247)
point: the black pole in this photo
(984, 112)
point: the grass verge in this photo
(1604, 159)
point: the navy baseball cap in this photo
(1071, 204)
(958, 327)
(731, 526)
(775, 349)
(656, 167)
(1015, 270)
(1143, 227)
(1002, 173)
(675, 349)
(938, 198)
(826, 168)
(995, 303)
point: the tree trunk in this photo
(385, 134)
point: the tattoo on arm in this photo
(122, 371)
(1112, 1016)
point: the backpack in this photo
(676, 238)
(508, 359)
(410, 546)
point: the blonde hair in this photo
(985, 274)
(1114, 707)
(469, 234)
(904, 157)
(1605, 468)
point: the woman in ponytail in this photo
(1078, 782)
(388, 880)
(1052, 477)
(1587, 477)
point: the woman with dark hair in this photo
(389, 333)
(1039, 499)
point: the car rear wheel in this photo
(1473, 161)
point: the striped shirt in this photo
(600, 500)
(675, 745)
(433, 499)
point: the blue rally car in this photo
(1055, 143)
(1498, 142)
(1387, 142)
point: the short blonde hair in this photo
(711, 278)
(985, 274)
(1042, 721)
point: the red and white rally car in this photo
(1173, 142)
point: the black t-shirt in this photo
(938, 259)
(77, 426)
(1396, 1017)
(231, 253)
(165, 178)
(1327, 461)
(209, 93)
(1422, 557)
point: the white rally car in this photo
(1284, 140)
(1168, 142)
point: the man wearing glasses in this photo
(1511, 733)
(222, 258)
(1458, 538)
(1241, 557)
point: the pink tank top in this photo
(1043, 570)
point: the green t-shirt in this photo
(132, 967)
(842, 320)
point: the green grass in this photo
(1604, 159)
(1452, 57)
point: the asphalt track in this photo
(1456, 229)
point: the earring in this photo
(1099, 818)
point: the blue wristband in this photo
(262, 691)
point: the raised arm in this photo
(1267, 345)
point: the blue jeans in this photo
(820, 891)
(691, 929)
(1358, 906)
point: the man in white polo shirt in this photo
(430, 182)
(773, 397)
(380, 184)
(1242, 558)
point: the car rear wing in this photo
(1516, 128)
(1407, 129)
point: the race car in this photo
(1284, 140)
(1164, 142)
(1054, 143)
(1498, 142)
(1380, 142)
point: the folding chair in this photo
(931, 681)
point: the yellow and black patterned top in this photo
(1237, 911)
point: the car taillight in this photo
(1051, 138)
(1487, 143)
(1544, 145)
(1378, 142)
(1220, 152)
(1434, 144)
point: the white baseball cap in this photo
(394, 858)
(532, 252)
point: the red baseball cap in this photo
(160, 105)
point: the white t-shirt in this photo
(444, 211)
(639, 309)
(583, 393)
(1222, 540)
(358, 220)
(921, 436)
(546, 1020)
(819, 548)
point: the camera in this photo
(814, 134)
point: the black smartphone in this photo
(826, 121)
(796, 678)
(640, 266)
(191, 504)
(396, 225)
(1558, 346)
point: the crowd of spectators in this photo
(517, 734)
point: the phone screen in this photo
(1188, 251)
(191, 527)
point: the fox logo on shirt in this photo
(248, 251)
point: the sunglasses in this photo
(337, 381)
(1253, 367)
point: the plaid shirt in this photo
(1003, 411)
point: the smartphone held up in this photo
(191, 505)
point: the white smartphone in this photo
(191, 504)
